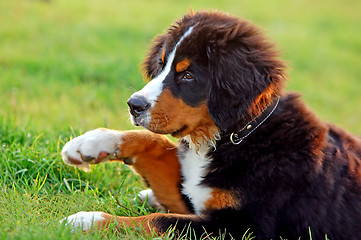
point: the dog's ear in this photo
(245, 74)
(152, 64)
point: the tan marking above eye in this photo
(163, 57)
(183, 65)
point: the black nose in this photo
(137, 105)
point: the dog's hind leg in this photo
(152, 156)
(192, 226)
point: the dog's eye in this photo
(161, 63)
(187, 77)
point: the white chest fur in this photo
(193, 167)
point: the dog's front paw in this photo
(85, 220)
(93, 147)
(148, 195)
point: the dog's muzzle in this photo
(137, 106)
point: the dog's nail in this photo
(86, 158)
(74, 161)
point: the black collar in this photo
(237, 137)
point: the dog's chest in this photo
(193, 167)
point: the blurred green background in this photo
(67, 63)
(68, 66)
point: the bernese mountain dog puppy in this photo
(250, 156)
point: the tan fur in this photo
(152, 154)
(221, 199)
(163, 56)
(260, 103)
(183, 65)
(148, 223)
(171, 114)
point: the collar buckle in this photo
(235, 139)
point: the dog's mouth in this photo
(144, 121)
(178, 133)
(138, 120)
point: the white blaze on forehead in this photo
(153, 89)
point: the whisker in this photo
(156, 126)
(166, 118)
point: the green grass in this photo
(68, 66)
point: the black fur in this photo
(294, 172)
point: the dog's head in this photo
(208, 73)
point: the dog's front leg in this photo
(152, 156)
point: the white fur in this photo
(154, 88)
(193, 166)
(148, 194)
(91, 144)
(83, 220)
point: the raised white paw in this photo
(84, 220)
(92, 147)
(148, 195)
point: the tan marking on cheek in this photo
(222, 199)
(183, 65)
(171, 114)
